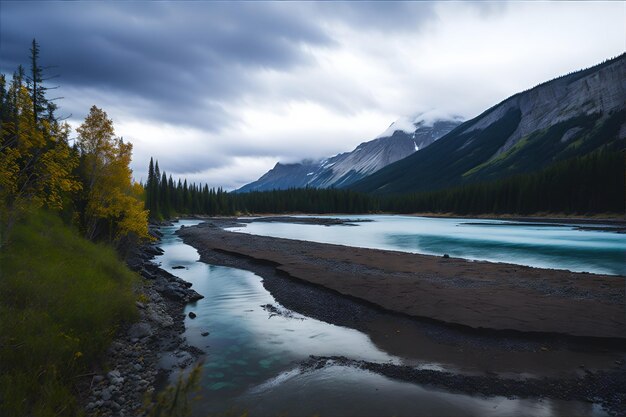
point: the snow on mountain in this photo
(409, 124)
(345, 168)
(568, 117)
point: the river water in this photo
(253, 356)
(544, 245)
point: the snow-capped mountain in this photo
(403, 137)
(567, 117)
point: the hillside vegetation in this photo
(61, 301)
(592, 184)
(63, 290)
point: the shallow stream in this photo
(254, 352)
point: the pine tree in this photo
(150, 188)
(155, 192)
(171, 190)
(42, 107)
(164, 197)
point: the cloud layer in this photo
(219, 92)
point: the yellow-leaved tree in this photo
(36, 164)
(113, 203)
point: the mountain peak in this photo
(408, 124)
(567, 117)
(345, 168)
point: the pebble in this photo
(133, 356)
(192, 315)
(105, 394)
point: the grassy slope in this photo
(61, 300)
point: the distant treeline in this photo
(166, 198)
(594, 183)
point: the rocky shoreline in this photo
(142, 355)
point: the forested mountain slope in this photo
(564, 118)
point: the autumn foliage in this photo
(36, 162)
(62, 297)
(112, 203)
(92, 181)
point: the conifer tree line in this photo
(591, 184)
(165, 198)
(89, 183)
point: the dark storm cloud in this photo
(177, 56)
(172, 65)
(181, 59)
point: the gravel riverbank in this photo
(143, 353)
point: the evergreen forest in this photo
(591, 184)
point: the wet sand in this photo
(479, 295)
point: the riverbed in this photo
(596, 248)
(255, 348)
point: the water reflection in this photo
(342, 391)
(253, 357)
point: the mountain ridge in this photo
(345, 168)
(565, 117)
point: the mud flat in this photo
(479, 295)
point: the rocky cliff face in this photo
(345, 168)
(563, 118)
(582, 93)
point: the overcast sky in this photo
(219, 92)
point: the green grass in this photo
(498, 158)
(61, 300)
